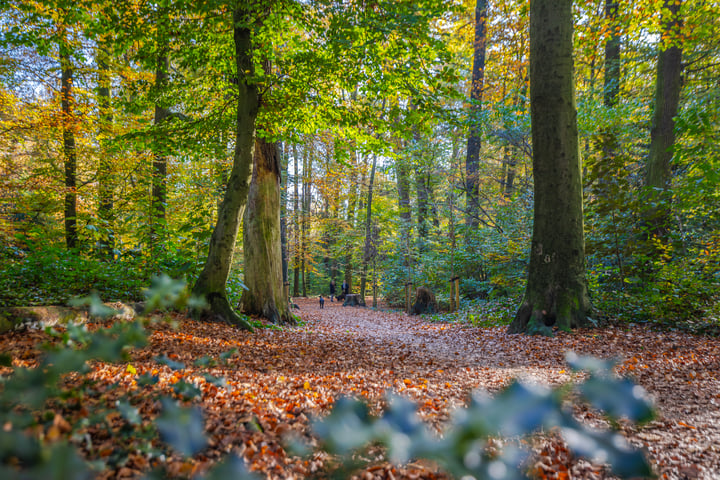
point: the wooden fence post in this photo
(407, 296)
(456, 281)
(452, 295)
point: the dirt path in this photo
(278, 379)
(680, 371)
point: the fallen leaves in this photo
(275, 381)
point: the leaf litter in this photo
(256, 390)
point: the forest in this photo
(187, 187)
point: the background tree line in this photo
(396, 135)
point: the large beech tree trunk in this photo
(662, 135)
(264, 295)
(556, 293)
(213, 278)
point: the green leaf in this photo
(129, 413)
(164, 360)
(618, 398)
(187, 390)
(181, 428)
(232, 467)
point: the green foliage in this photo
(466, 447)
(27, 397)
(48, 276)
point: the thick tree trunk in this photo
(158, 199)
(662, 136)
(69, 152)
(106, 214)
(213, 278)
(264, 295)
(472, 161)
(556, 293)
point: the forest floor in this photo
(279, 379)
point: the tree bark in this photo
(353, 196)
(213, 278)
(368, 251)
(421, 191)
(662, 135)
(306, 205)
(296, 214)
(472, 161)
(611, 83)
(262, 251)
(69, 152)
(158, 200)
(106, 214)
(283, 210)
(556, 293)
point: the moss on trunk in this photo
(261, 239)
(556, 293)
(213, 278)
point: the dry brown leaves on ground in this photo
(280, 379)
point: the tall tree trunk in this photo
(556, 293)
(296, 215)
(510, 160)
(611, 83)
(352, 203)
(306, 205)
(264, 295)
(106, 214)
(403, 186)
(421, 190)
(472, 161)
(158, 201)
(662, 136)
(213, 278)
(283, 209)
(69, 152)
(611, 90)
(368, 251)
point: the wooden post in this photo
(407, 296)
(456, 280)
(452, 295)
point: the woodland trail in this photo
(278, 379)
(680, 371)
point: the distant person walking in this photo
(345, 288)
(332, 290)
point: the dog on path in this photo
(322, 302)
